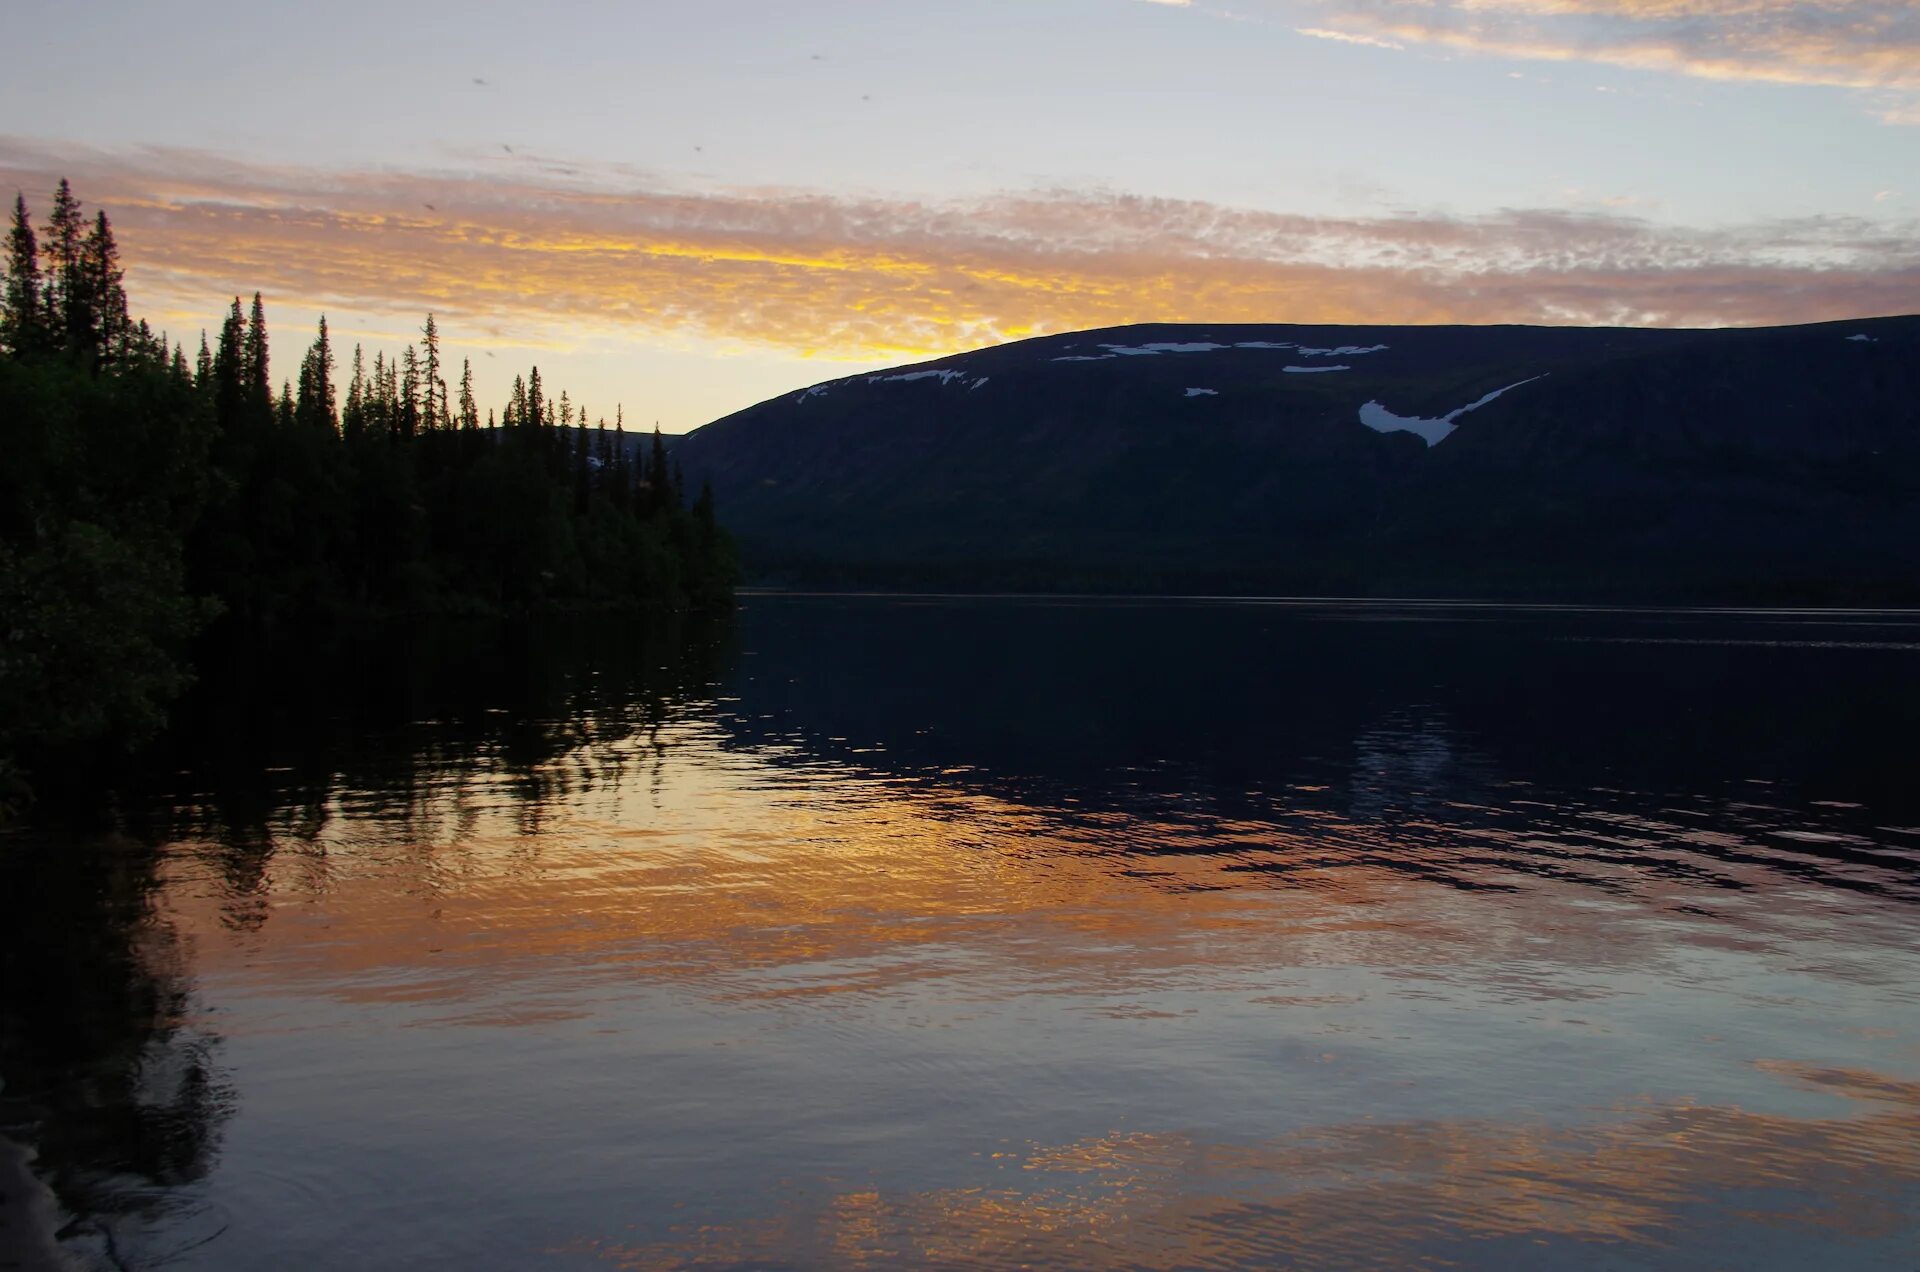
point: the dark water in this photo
(1001, 933)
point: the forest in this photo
(150, 494)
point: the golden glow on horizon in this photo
(872, 279)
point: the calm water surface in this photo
(869, 932)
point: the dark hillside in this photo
(1502, 461)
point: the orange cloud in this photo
(547, 250)
(1868, 45)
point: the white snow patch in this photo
(1431, 431)
(1864, 338)
(818, 390)
(1208, 346)
(1344, 351)
(1165, 346)
(1203, 393)
(1311, 370)
(977, 383)
(944, 376)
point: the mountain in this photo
(1778, 464)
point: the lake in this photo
(1000, 932)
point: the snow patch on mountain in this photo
(1864, 338)
(1164, 346)
(1203, 393)
(944, 376)
(1311, 370)
(1431, 431)
(1209, 346)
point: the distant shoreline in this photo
(1402, 602)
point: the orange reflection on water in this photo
(778, 894)
(1407, 1194)
(764, 880)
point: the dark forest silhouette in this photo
(149, 492)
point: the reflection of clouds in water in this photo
(1656, 1184)
(766, 874)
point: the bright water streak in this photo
(1010, 934)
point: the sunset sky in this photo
(686, 209)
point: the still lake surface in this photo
(898, 932)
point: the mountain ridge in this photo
(1517, 462)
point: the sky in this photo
(684, 209)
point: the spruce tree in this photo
(259, 383)
(409, 402)
(582, 470)
(314, 407)
(230, 377)
(433, 412)
(101, 325)
(469, 409)
(379, 400)
(23, 320)
(353, 417)
(657, 479)
(203, 366)
(605, 456)
(64, 290)
(516, 412)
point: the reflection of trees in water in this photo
(412, 731)
(106, 1074)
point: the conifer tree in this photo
(409, 400)
(64, 291)
(353, 416)
(230, 378)
(259, 383)
(516, 411)
(203, 366)
(101, 327)
(23, 320)
(469, 409)
(433, 412)
(314, 407)
(582, 469)
(619, 478)
(379, 400)
(656, 478)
